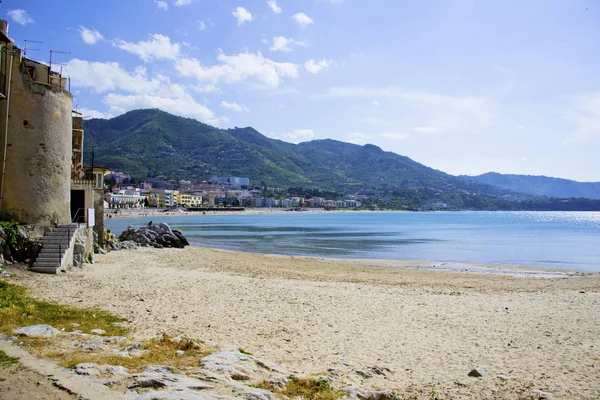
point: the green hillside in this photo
(148, 143)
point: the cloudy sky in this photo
(463, 86)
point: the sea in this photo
(564, 240)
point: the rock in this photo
(364, 373)
(135, 346)
(503, 377)
(92, 369)
(540, 394)
(164, 377)
(38, 330)
(358, 393)
(158, 235)
(259, 394)
(95, 344)
(477, 373)
(87, 369)
(180, 352)
(98, 331)
(368, 372)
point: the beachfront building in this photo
(231, 180)
(191, 199)
(37, 137)
(128, 198)
(316, 202)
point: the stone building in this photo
(43, 179)
(35, 139)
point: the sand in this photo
(429, 325)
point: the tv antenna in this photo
(58, 52)
(25, 48)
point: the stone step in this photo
(54, 239)
(51, 246)
(59, 233)
(54, 264)
(47, 260)
(45, 269)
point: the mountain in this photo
(151, 142)
(539, 185)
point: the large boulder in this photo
(155, 235)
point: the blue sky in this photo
(462, 86)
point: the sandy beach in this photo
(429, 325)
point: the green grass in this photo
(6, 360)
(18, 309)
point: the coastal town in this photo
(218, 192)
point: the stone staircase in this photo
(56, 245)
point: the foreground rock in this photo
(154, 235)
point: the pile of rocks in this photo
(153, 235)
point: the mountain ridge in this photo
(539, 185)
(151, 142)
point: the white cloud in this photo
(89, 113)
(242, 15)
(431, 112)
(302, 20)
(162, 5)
(90, 36)
(281, 43)
(298, 135)
(136, 89)
(274, 7)
(314, 67)
(585, 113)
(201, 26)
(158, 47)
(238, 67)
(364, 138)
(234, 106)
(185, 105)
(21, 17)
(376, 103)
(181, 3)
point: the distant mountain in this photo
(147, 143)
(539, 185)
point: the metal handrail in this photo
(67, 236)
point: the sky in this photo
(463, 86)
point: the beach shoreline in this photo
(429, 326)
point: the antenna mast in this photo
(25, 47)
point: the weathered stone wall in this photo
(39, 153)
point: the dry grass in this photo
(306, 388)
(63, 350)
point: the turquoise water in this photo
(549, 239)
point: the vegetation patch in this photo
(6, 360)
(64, 350)
(11, 230)
(306, 388)
(18, 309)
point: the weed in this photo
(11, 229)
(6, 360)
(244, 351)
(306, 388)
(18, 309)
(160, 351)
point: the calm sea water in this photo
(550, 239)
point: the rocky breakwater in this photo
(153, 235)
